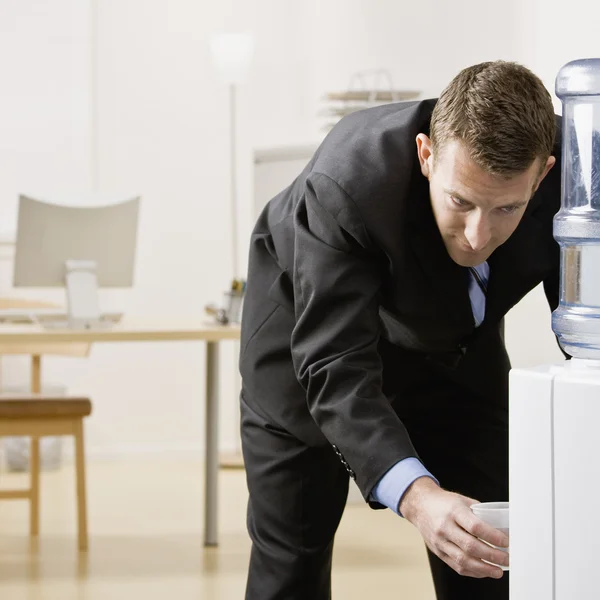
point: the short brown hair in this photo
(503, 114)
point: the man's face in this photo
(475, 212)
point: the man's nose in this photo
(478, 231)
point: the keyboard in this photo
(46, 316)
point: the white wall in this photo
(160, 130)
(45, 100)
(559, 35)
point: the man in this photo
(372, 342)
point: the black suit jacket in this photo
(353, 306)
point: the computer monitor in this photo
(80, 248)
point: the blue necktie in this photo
(478, 280)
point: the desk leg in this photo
(212, 444)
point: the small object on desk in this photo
(218, 313)
(231, 312)
(234, 300)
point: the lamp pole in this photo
(232, 55)
(233, 203)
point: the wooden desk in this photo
(156, 331)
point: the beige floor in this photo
(145, 527)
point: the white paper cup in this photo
(495, 514)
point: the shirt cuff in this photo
(393, 485)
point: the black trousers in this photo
(298, 494)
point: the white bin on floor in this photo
(16, 449)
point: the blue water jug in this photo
(576, 321)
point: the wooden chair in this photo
(37, 416)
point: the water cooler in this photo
(555, 409)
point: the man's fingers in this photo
(466, 565)
(470, 501)
(476, 548)
(475, 526)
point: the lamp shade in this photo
(232, 54)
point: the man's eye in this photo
(458, 201)
(510, 210)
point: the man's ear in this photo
(425, 154)
(549, 164)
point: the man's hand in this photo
(450, 529)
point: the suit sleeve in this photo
(337, 280)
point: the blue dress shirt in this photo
(393, 485)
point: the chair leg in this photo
(34, 500)
(81, 485)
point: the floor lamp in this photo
(232, 55)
